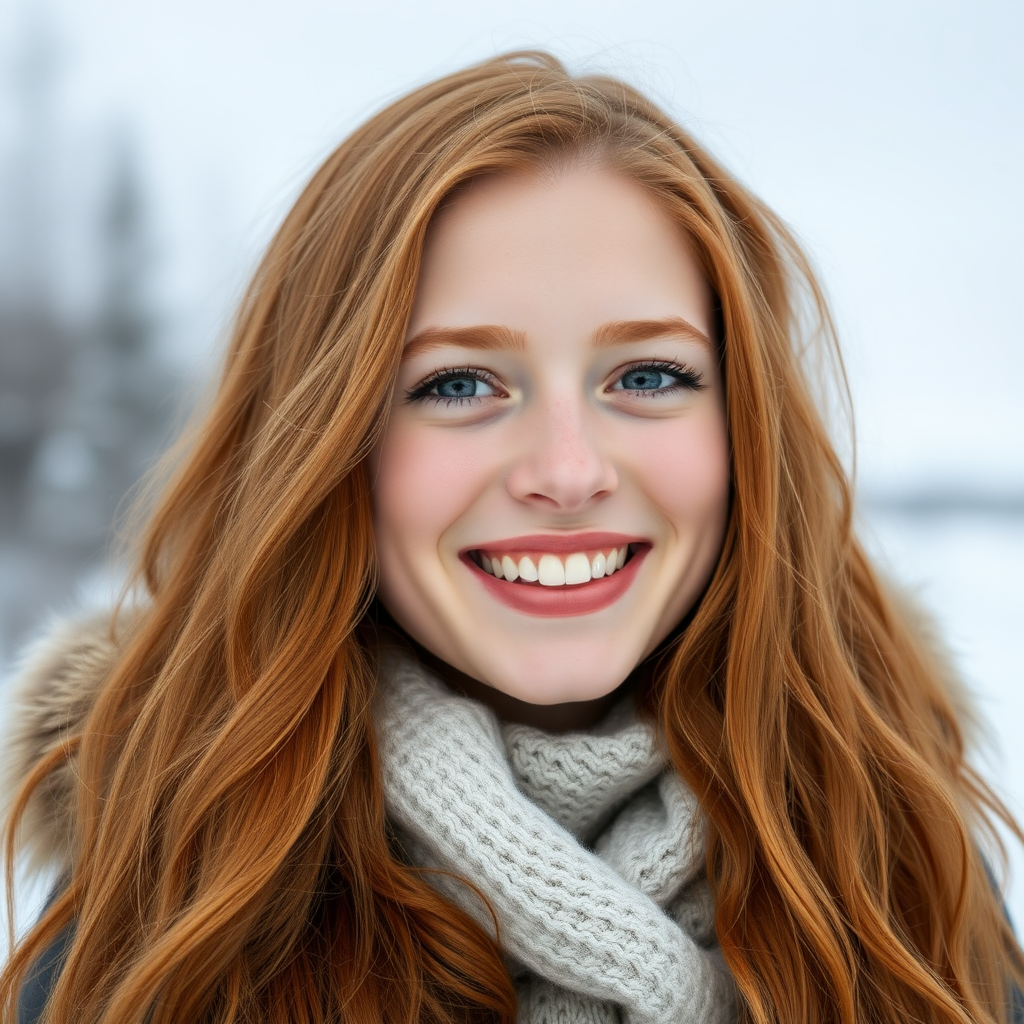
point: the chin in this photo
(546, 679)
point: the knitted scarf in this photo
(588, 848)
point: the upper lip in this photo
(558, 543)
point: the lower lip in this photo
(557, 602)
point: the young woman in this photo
(505, 647)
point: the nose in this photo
(562, 466)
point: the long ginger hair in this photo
(233, 861)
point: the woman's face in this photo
(558, 409)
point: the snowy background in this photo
(147, 151)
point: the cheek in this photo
(684, 471)
(422, 484)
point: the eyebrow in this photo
(483, 336)
(619, 332)
(494, 336)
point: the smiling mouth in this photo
(544, 569)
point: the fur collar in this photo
(56, 682)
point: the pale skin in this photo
(560, 380)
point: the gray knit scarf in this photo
(588, 848)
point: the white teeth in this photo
(577, 569)
(527, 570)
(551, 571)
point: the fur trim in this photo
(55, 686)
(60, 675)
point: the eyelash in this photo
(692, 380)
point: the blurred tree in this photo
(85, 399)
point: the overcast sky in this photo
(890, 135)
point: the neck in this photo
(556, 718)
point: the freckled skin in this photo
(554, 442)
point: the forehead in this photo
(571, 243)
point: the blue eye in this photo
(654, 378)
(453, 387)
(646, 380)
(462, 387)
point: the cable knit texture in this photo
(588, 848)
